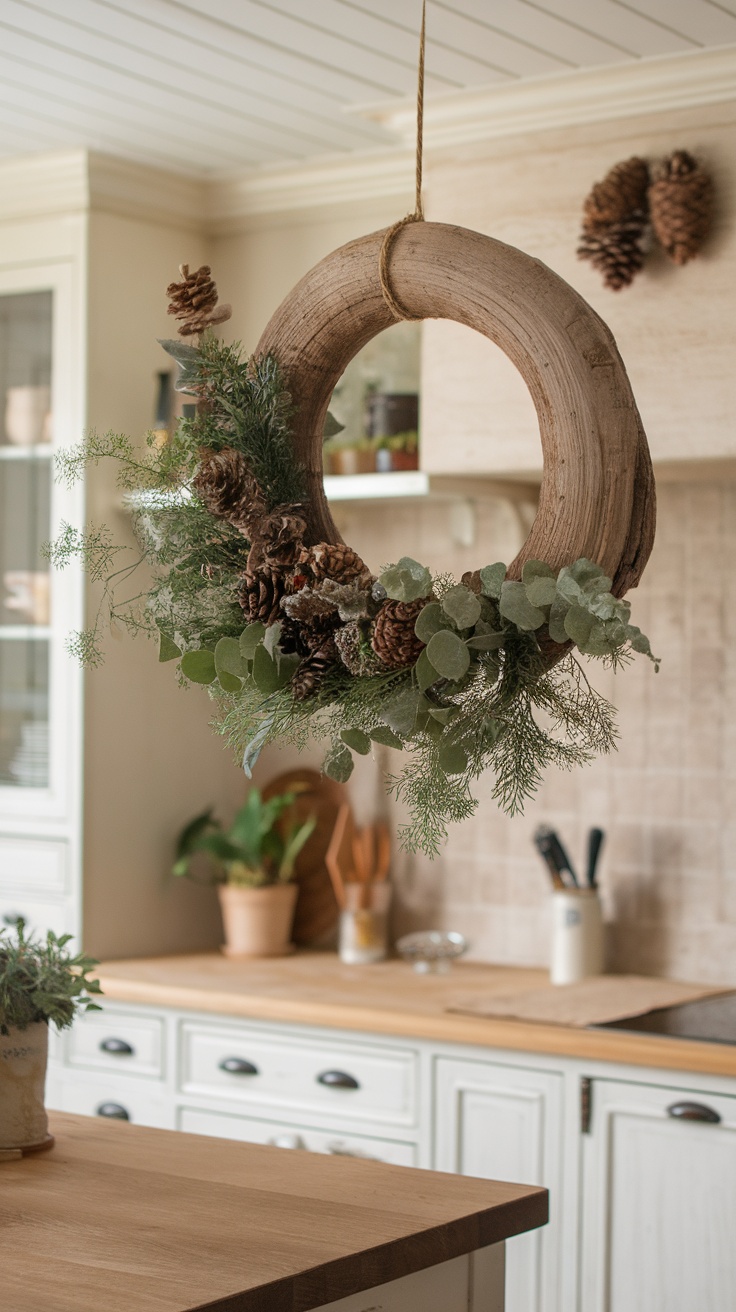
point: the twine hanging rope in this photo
(398, 310)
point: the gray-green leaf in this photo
(386, 737)
(430, 620)
(332, 426)
(250, 638)
(425, 672)
(407, 580)
(556, 623)
(167, 649)
(266, 675)
(516, 606)
(400, 710)
(452, 758)
(449, 655)
(271, 638)
(229, 659)
(578, 624)
(357, 740)
(462, 606)
(491, 578)
(199, 666)
(338, 764)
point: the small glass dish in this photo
(432, 952)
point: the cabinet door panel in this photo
(659, 1214)
(505, 1123)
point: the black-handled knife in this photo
(562, 860)
(595, 843)
(545, 847)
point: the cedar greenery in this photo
(475, 688)
(41, 981)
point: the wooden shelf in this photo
(41, 452)
(415, 483)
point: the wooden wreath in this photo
(597, 496)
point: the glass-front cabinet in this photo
(39, 685)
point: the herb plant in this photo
(259, 848)
(41, 981)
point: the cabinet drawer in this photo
(344, 1080)
(125, 1100)
(39, 914)
(31, 866)
(281, 1135)
(117, 1041)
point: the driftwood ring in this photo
(597, 495)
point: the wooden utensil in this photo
(317, 911)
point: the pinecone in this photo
(328, 560)
(615, 251)
(622, 191)
(355, 651)
(259, 593)
(394, 640)
(309, 676)
(194, 301)
(281, 535)
(681, 201)
(228, 489)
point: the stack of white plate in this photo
(30, 765)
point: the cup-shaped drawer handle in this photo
(693, 1111)
(338, 1080)
(238, 1066)
(114, 1111)
(117, 1046)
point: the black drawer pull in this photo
(693, 1111)
(113, 1111)
(117, 1046)
(338, 1080)
(238, 1066)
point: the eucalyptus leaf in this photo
(452, 758)
(556, 622)
(486, 641)
(536, 569)
(167, 648)
(462, 606)
(515, 606)
(578, 624)
(444, 714)
(357, 740)
(541, 590)
(449, 655)
(188, 358)
(491, 578)
(386, 737)
(407, 580)
(229, 682)
(425, 672)
(400, 710)
(430, 620)
(266, 675)
(229, 659)
(338, 764)
(250, 638)
(199, 666)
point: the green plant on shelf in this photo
(259, 848)
(407, 442)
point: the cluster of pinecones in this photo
(294, 584)
(618, 212)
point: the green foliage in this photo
(259, 848)
(42, 981)
(407, 580)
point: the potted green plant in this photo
(40, 982)
(254, 868)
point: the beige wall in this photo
(666, 798)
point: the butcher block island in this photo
(122, 1218)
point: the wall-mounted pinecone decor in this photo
(623, 212)
(615, 220)
(681, 204)
(256, 596)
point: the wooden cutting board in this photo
(317, 912)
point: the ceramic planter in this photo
(257, 921)
(23, 1056)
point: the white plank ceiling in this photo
(215, 86)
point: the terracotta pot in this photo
(257, 921)
(349, 461)
(23, 1056)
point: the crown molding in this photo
(645, 86)
(310, 189)
(65, 182)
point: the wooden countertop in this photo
(389, 998)
(119, 1217)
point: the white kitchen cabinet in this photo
(282, 1134)
(658, 1200)
(506, 1123)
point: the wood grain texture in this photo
(388, 998)
(597, 495)
(168, 1222)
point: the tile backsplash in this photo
(666, 799)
